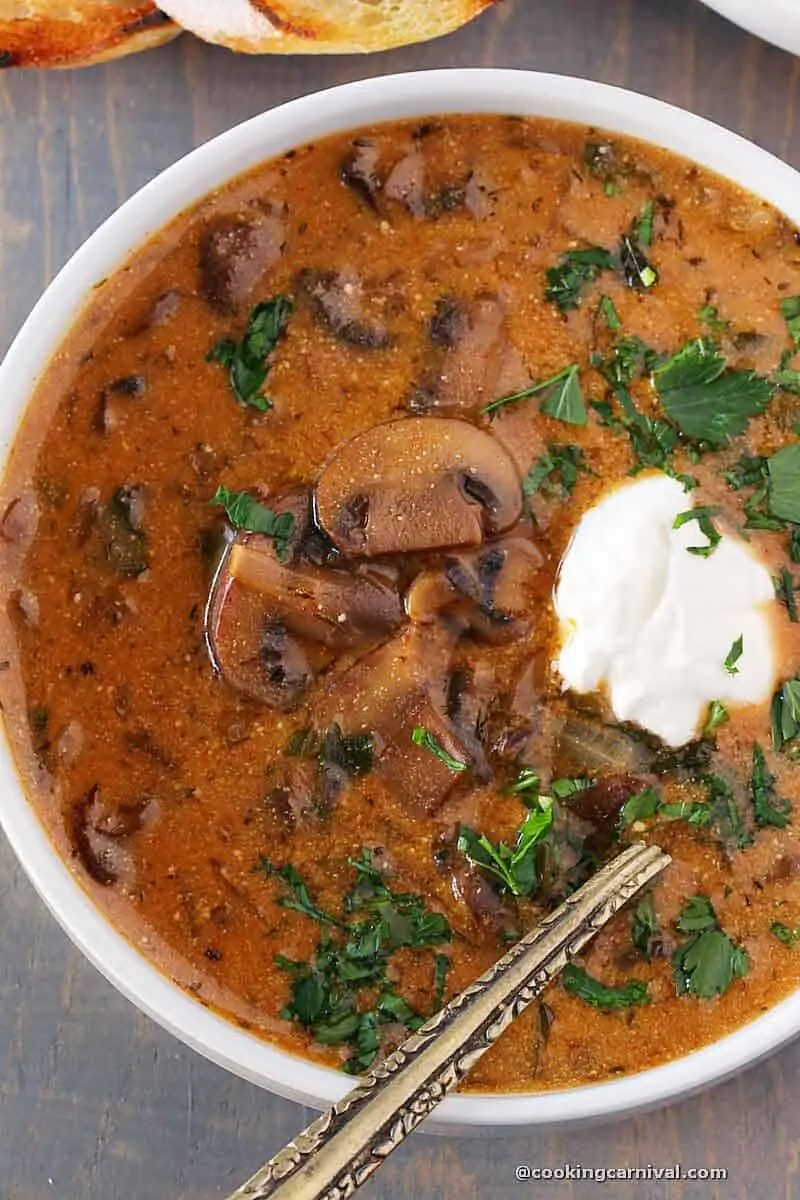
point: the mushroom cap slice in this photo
(335, 607)
(271, 627)
(415, 484)
(495, 591)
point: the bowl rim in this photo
(384, 98)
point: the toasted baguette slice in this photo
(321, 26)
(56, 33)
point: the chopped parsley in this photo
(768, 809)
(786, 715)
(354, 753)
(785, 589)
(702, 515)
(709, 316)
(706, 400)
(783, 469)
(652, 439)
(644, 927)
(245, 512)
(515, 868)
(733, 656)
(648, 804)
(578, 983)
(790, 311)
(645, 223)
(775, 502)
(709, 960)
(717, 715)
(422, 737)
(555, 472)
(724, 816)
(784, 934)
(562, 397)
(574, 272)
(641, 807)
(343, 994)
(638, 272)
(247, 360)
(608, 311)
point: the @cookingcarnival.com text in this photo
(569, 1171)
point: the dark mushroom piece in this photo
(415, 484)
(491, 591)
(272, 626)
(359, 171)
(337, 301)
(389, 693)
(235, 254)
(100, 830)
(478, 363)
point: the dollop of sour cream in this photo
(654, 623)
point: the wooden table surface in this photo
(96, 1101)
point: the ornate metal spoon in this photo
(340, 1149)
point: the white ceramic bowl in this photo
(474, 91)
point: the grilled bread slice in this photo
(321, 26)
(58, 33)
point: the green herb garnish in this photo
(790, 311)
(784, 934)
(645, 223)
(422, 737)
(702, 515)
(247, 360)
(708, 962)
(562, 397)
(786, 714)
(515, 867)
(768, 809)
(641, 807)
(575, 271)
(707, 401)
(608, 311)
(733, 656)
(783, 469)
(708, 314)
(785, 589)
(245, 512)
(637, 271)
(717, 715)
(555, 472)
(349, 965)
(644, 927)
(578, 983)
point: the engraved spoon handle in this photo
(341, 1148)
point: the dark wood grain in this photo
(95, 1101)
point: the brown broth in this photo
(119, 664)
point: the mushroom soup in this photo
(306, 531)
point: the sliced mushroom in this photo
(478, 365)
(333, 606)
(359, 171)
(418, 483)
(100, 830)
(235, 254)
(272, 626)
(337, 299)
(405, 182)
(253, 651)
(601, 804)
(389, 693)
(493, 591)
